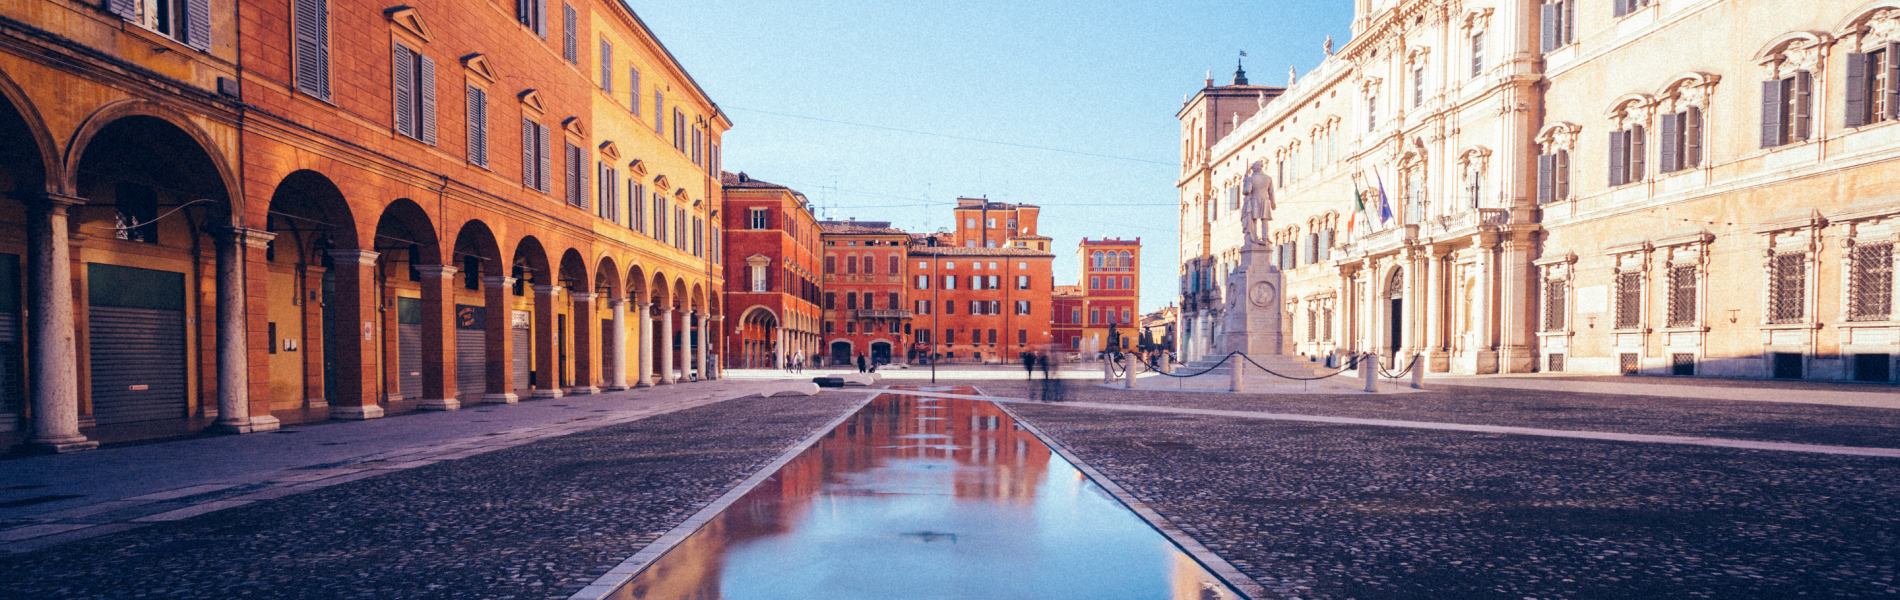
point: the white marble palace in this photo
(1667, 187)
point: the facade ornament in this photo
(1559, 137)
(1329, 45)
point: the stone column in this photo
(1483, 346)
(234, 402)
(356, 350)
(583, 326)
(1415, 313)
(644, 377)
(1436, 324)
(699, 363)
(392, 345)
(53, 352)
(547, 378)
(500, 375)
(666, 345)
(1516, 285)
(712, 334)
(618, 366)
(438, 338)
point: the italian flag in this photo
(1358, 211)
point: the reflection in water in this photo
(926, 498)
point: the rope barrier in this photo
(1179, 376)
(1402, 373)
(1349, 366)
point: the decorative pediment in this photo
(609, 150)
(531, 100)
(573, 125)
(1688, 89)
(478, 65)
(680, 193)
(637, 168)
(410, 20)
(660, 182)
(758, 260)
(1558, 136)
(1631, 109)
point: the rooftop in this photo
(956, 251)
(742, 180)
(855, 227)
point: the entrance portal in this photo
(1395, 329)
(841, 352)
(881, 353)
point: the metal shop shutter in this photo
(608, 366)
(409, 347)
(521, 335)
(12, 374)
(471, 353)
(137, 329)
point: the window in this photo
(659, 111)
(414, 94)
(851, 265)
(759, 283)
(1095, 316)
(534, 15)
(1022, 307)
(659, 216)
(609, 206)
(1022, 282)
(923, 282)
(1095, 283)
(570, 49)
(1626, 156)
(1681, 140)
(576, 166)
(1786, 109)
(1629, 300)
(1554, 304)
(996, 282)
(829, 328)
(1870, 284)
(1624, 7)
(633, 89)
(922, 307)
(896, 265)
(1372, 113)
(636, 206)
(1127, 316)
(188, 21)
(831, 264)
(1022, 336)
(312, 49)
(535, 159)
(1477, 53)
(992, 337)
(477, 118)
(831, 301)
(1787, 288)
(1553, 177)
(949, 282)
(949, 307)
(1559, 28)
(869, 266)
(1075, 315)
(850, 301)
(1873, 85)
(850, 327)
(1418, 86)
(759, 218)
(976, 282)
(679, 130)
(868, 301)
(893, 302)
(949, 336)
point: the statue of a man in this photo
(1256, 205)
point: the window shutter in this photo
(1771, 113)
(126, 9)
(580, 170)
(1692, 138)
(633, 89)
(606, 66)
(198, 24)
(312, 46)
(546, 156)
(425, 86)
(1803, 104)
(1569, 34)
(1622, 7)
(659, 112)
(1546, 178)
(569, 43)
(1563, 175)
(1892, 64)
(1619, 156)
(540, 18)
(527, 154)
(477, 126)
(1551, 26)
(402, 79)
(1671, 143)
(1639, 152)
(1856, 89)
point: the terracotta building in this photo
(1644, 187)
(773, 245)
(409, 207)
(865, 309)
(1068, 320)
(986, 295)
(1110, 295)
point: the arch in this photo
(661, 292)
(1095, 259)
(760, 314)
(714, 306)
(311, 216)
(140, 115)
(20, 118)
(476, 250)
(1127, 260)
(405, 227)
(1777, 48)
(679, 296)
(573, 273)
(1859, 17)
(607, 278)
(699, 300)
(637, 284)
(1395, 284)
(1620, 107)
(1558, 136)
(530, 263)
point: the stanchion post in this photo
(1238, 373)
(1167, 363)
(1418, 372)
(1369, 367)
(1128, 376)
(1108, 369)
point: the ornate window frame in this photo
(1797, 235)
(1877, 228)
(1473, 167)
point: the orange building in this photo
(1107, 296)
(985, 296)
(864, 301)
(409, 207)
(772, 247)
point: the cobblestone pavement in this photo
(539, 520)
(1320, 511)
(1758, 421)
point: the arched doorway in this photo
(881, 352)
(312, 222)
(841, 353)
(529, 333)
(1395, 315)
(481, 307)
(758, 339)
(405, 237)
(24, 167)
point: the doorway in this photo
(841, 352)
(1395, 315)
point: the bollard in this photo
(1369, 367)
(1239, 373)
(1108, 369)
(1167, 363)
(1418, 372)
(1129, 375)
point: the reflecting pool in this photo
(916, 497)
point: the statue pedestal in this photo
(1250, 322)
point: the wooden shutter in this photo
(1671, 143)
(1892, 64)
(1771, 113)
(527, 154)
(1563, 175)
(477, 126)
(1622, 7)
(1326, 245)
(1803, 104)
(524, 11)
(425, 87)
(580, 170)
(633, 89)
(1546, 178)
(1619, 157)
(312, 45)
(1856, 89)
(540, 19)
(198, 24)
(571, 171)
(402, 81)
(1551, 26)
(1639, 151)
(606, 67)
(1691, 138)
(543, 153)
(569, 43)
(1569, 34)
(126, 9)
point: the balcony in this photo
(1467, 222)
(882, 314)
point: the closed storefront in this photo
(136, 327)
(471, 352)
(523, 349)
(409, 346)
(12, 376)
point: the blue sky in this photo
(1095, 78)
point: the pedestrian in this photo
(797, 358)
(1042, 360)
(861, 362)
(1029, 365)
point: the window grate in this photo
(1682, 296)
(1682, 363)
(1312, 325)
(1788, 289)
(1628, 363)
(1629, 300)
(1871, 293)
(1554, 304)
(1554, 363)
(1326, 324)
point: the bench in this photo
(858, 378)
(789, 388)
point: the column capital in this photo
(438, 271)
(615, 302)
(547, 290)
(718, 318)
(642, 305)
(49, 201)
(585, 296)
(352, 256)
(255, 238)
(662, 309)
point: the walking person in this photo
(1042, 360)
(1029, 365)
(861, 362)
